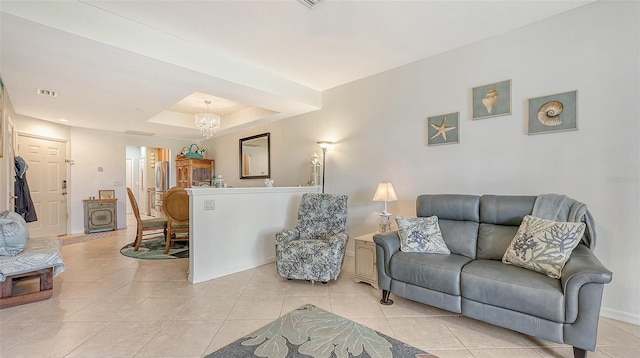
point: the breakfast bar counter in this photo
(233, 229)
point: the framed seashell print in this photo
(443, 129)
(491, 100)
(552, 113)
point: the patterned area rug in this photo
(312, 332)
(153, 249)
(74, 239)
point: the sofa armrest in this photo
(387, 244)
(582, 268)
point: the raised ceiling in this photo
(146, 66)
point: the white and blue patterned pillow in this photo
(543, 245)
(421, 234)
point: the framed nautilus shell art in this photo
(443, 129)
(552, 113)
(491, 100)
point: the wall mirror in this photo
(255, 157)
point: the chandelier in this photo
(207, 122)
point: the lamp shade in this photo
(325, 144)
(385, 193)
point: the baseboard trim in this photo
(620, 315)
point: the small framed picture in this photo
(553, 113)
(106, 194)
(443, 129)
(492, 100)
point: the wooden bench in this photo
(7, 298)
(41, 259)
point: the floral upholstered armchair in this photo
(314, 249)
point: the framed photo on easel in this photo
(106, 194)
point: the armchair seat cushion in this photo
(516, 288)
(303, 259)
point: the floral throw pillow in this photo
(543, 245)
(421, 234)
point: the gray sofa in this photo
(473, 281)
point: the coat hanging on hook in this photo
(23, 203)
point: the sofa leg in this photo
(579, 353)
(385, 298)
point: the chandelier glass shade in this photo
(207, 122)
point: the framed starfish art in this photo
(443, 129)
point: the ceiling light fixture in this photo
(207, 122)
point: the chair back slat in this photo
(134, 205)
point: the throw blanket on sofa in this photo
(559, 207)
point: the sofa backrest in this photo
(500, 217)
(458, 217)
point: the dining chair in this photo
(152, 225)
(175, 205)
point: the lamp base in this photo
(385, 222)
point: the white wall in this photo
(93, 149)
(378, 124)
(6, 162)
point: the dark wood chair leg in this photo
(385, 298)
(579, 353)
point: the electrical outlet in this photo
(209, 205)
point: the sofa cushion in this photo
(493, 241)
(421, 235)
(515, 288)
(458, 219)
(505, 209)
(500, 217)
(544, 245)
(432, 271)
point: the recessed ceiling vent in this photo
(147, 134)
(309, 3)
(48, 93)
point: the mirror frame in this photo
(258, 136)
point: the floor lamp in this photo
(324, 145)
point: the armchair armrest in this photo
(287, 235)
(582, 268)
(339, 240)
(338, 244)
(387, 244)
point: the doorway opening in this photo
(148, 176)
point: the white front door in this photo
(45, 176)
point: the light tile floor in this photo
(109, 305)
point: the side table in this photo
(100, 215)
(365, 252)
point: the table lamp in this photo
(385, 193)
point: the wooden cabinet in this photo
(366, 269)
(100, 215)
(192, 172)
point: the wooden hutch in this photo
(192, 172)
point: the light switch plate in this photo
(209, 205)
